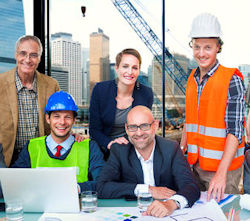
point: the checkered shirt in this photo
(27, 126)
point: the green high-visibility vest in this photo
(78, 157)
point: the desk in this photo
(240, 214)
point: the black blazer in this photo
(103, 108)
(123, 171)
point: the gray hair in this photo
(27, 38)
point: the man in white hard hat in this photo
(215, 107)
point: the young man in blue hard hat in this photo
(215, 108)
(59, 149)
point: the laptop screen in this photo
(41, 189)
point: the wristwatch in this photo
(182, 147)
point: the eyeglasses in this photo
(24, 54)
(144, 127)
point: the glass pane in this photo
(84, 48)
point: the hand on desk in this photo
(161, 209)
(161, 192)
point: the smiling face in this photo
(128, 69)
(26, 57)
(60, 123)
(141, 139)
(205, 51)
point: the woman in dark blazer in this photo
(111, 100)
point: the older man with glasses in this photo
(150, 164)
(24, 93)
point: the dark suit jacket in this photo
(123, 171)
(103, 108)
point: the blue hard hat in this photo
(61, 101)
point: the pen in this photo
(225, 199)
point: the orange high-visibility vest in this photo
(205, 124)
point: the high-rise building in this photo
(85, 76)
(150, 75)
(67, 53)
(174, 98)
(98, 58)
(11, 28)
(61, 74)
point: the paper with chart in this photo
(206, 212)
(226, 199)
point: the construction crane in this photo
(153, 43)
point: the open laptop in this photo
(41, 189)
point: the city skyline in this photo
(179, 15)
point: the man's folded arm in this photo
(111, 189)
(109, 184)
(186, 184)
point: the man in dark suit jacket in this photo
(150, 164)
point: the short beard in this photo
(141, 147)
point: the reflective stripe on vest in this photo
(205, 123)
(192, 148)
(213, 132)
(207, 131)
(77, 157)
(217, 155)
(191, 127)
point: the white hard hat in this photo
(205, 25)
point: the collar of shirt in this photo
(51, 144)
(209, 73)
(19, 84)
(150, 159)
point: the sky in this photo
(234, 17)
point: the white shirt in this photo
(147, 167)
(148, 175)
